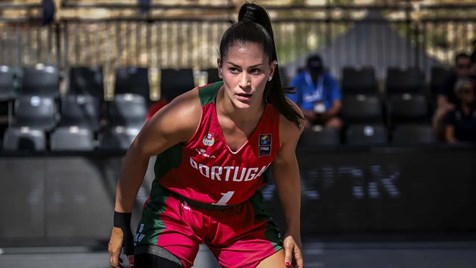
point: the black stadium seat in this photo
(40, 80)
(362, 109)
(86, 80)
(117, 137)
(7, 96)
(313, 137)
(438, 75)
(413, 134)
(359, 81)
(133, 80)
(212, 75)
(174, 82)
(7, 83)
(80, 110)
(127, 114)
(127, 110)
(399, 81)
(408, 108)
(72, 138)
(35, 112)
(362, 134)
(24, 139)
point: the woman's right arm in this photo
(173, 124)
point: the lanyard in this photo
(318, 92)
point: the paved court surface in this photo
(329, 252)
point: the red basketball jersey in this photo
(206, 170)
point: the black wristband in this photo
(122, 220)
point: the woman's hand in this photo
(121, 237)
(292, 251)
(115, 248)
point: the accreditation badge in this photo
(319, 107)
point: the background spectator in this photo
(317, 94)
(461, 122)
(447, 98)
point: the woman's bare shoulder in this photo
(179, 117)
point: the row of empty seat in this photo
(126, 109)
(74, 138)
(369, 134)
(80, 123)
(89, 80)
(397, 81)
(393, 110)
(407, 100)
(78, 110)
(44, 80)
(83, 112)
(43, 119)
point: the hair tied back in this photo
(248, 13)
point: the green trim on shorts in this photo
(272, 232)
(151, 225)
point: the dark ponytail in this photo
(254, 25)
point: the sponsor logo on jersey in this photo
(209, 140)
(139, 235)
(228, 173)
(264, 145)
(203, 152)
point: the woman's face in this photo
(245, 70)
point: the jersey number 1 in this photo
(225, 198)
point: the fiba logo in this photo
(264, 145)
(209, 140)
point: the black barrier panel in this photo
(385, 190)
(79, 196)
(55, 198)
(22, 192)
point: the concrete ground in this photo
(329, 252)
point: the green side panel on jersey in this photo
(151, 225)
(208, 94)
(167, 160)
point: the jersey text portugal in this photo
(206, 170)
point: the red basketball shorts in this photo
(238, 236)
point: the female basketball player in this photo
(213, 145)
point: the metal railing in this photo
(399, 34)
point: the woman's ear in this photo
(273, 66)
(220, 68)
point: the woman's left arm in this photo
(287, 179)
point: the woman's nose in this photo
(245, 80)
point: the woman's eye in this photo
(255, 71)
(234, 70)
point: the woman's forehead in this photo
(247, 49)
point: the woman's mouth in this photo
(244, 96)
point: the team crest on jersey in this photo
(264, 145)
(209, 140)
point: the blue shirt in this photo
(308, 94)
